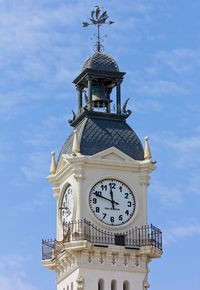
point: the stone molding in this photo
(109, 258)
(80, 282)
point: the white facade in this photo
(82, 264)
(82, 172)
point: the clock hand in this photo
(106, 198)
(65, 207)
(112, 201)
(68, 211)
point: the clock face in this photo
(67, 205)
(112, 202)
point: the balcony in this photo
(83, 230)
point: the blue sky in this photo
(42, 48)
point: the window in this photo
(126, 285)
(68, 287)
(72, 286)
(113, 285)
(101, 284)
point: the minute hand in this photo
(112, 201)
(107, 198)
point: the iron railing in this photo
(51, 248)
(147, 235)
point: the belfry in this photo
(100, 184)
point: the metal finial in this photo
(98, 17)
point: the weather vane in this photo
(98, 17)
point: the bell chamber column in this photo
(108, 92)
(118, 95)
(89, 79)
(80, 99)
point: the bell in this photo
(99, 96)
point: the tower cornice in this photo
(102, 159)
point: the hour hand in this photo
(106, 198)
(63, 207)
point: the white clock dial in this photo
(112, 202)
(67, 205)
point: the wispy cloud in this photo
(186, 148)
(12, 273)
(147, 106)
(39, 140)
(12, 262)
(31, 205)
(169, 196)
(183, 160)
(5, 147)
(36, 165)
(159, 88)
(181, 61)
(175, 233)
(168, 74)
(185, 144)
(19, 282)
(193, 184)
(44, 134)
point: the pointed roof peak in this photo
(147, 151)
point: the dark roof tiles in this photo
(97, 134)
(101, 61)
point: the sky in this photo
(42, 49)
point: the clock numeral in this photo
(94, 200)
(120, 217)
(129, 203)
(112, 219)
(120, 188)
(98, 193)
(126, 195)
(97, 209)
(127, 212)
(112, 185)
(104, 215)
(104, 187)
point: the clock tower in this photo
(100, 184)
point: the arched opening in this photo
(113, 285)
(101, 284)
(126, 285)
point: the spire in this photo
(76, 147)
(53, 163)
(98, 17)
(147, 152)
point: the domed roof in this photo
(96, 134)
(101, 61)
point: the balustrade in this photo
(83, 230)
